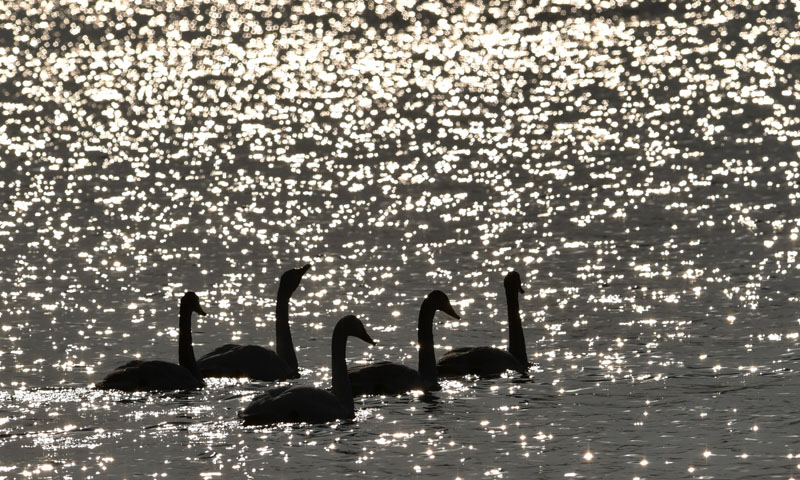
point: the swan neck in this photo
(516, 337)
(341, 388)
(427, 357)
(283, 336)
(185, 351)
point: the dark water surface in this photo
(636, 162)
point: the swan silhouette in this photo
(307, 404)
(160, 375)
(488, 361)
(387, 378)
(256, 362)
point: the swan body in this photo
(256, 362)
(489, 361)
(302, 403)
(150, 375)
(482, 361)
(295, 404)
(387, 378)
(159, 375)
(246, 361)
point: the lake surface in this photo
(636, 162)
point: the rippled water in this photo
(636, 162)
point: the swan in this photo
(256, 362)
(160, 375)
(387, 378)
(488, 361)
(307, 404)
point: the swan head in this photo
(290, 279)
(513, 282)
(191, 301)
(353, 327)
(439, 301)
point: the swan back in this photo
(295, 404)
(140, 375)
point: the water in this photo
(636, 162)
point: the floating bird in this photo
(488, 361)
(159, 375)
(309, 404)
(387, 378)
(254, 361)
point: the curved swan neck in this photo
(516, 337)
(341, 388)
(185, 351)
(427, 357)
(283, 336)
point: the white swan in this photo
(256, 362)
(488, 361)
(160, 375)
(387, 378)
(308, 404)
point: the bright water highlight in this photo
(636, 162)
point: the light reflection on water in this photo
(637, 163)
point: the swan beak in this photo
(521, 290)
(199, 310)
(304, 268)
(449, 310)
(367, 338)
